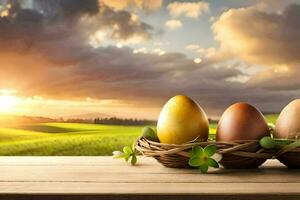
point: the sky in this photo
(127, 58)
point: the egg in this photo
(288, 123)
(241, 121)
(182, 120)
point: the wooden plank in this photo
(119, 174)
(67, 160)
(85, 161)
(147, 197)
(149, 188)
(61, 169)
(105, 178)
(156, 169)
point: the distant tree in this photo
(88, 121)
(120, 121)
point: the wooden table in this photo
(106, 178)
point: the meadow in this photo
(71, 139)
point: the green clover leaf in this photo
(201, 158)
(129, 154)
(210, 149)
(212, 163)
(133, 160)
(197, 150)
(127, 150)
(203, 168)
(195, 161)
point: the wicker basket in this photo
(291, 159)
(236, 154)
(290, 155)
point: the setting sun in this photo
(7, 103)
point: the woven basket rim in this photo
(237, 148)
(195, 142)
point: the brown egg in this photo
(288, 126)
(241, 121)
(288, 122)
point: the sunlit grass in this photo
(75, 139)
(58, 139)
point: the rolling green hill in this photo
(71, 139)
(66, 139)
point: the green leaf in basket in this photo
(274, 143)
(195, 161)
(129, 154)
(201, 158)
(212, 163)
(150, 134)
(210, 149)
(197, 151)
(203, 168)
(267, 142)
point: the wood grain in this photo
(107, 178)
(149, 188)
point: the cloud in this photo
(144, 80)
(192, 47)
(159, 51)
(188, 9)
(118, 25)
(148, 5)
(62, 9)
(208, 53)
(259, 36)
(140, 50)
(265, 38)
(43, 56)
(173, 24)
(30, 25)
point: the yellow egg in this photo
(182, 120)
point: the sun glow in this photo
(16, 104)
(7, 102)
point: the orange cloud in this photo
(259, 36)
(188, 9)
(173, 24)
(148, 5)
(264, 38)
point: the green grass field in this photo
(71, 139)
